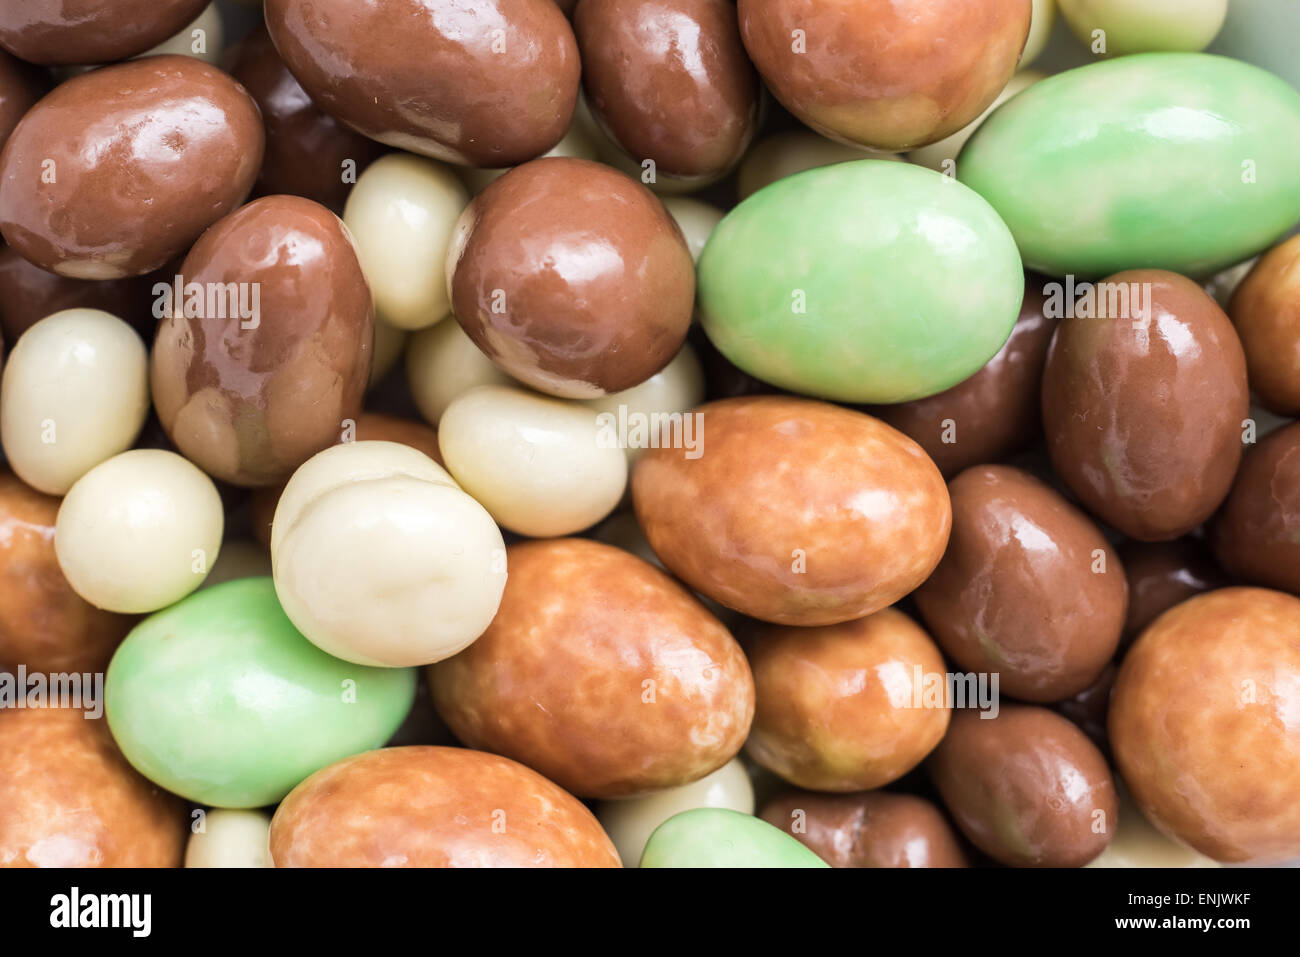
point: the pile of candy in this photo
(663, 432)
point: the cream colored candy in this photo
(379, 558)
(203, 39)
(442, 363)
(230, 839)
(139, 531)
(1137, 843)
(75, 392)
(696, 219)
(390, 342)
(942, 156)
(629, 822)
(672, 391)
(1141, 26)
(784, 154)
(1040, 31)
(239, 558)
(538, 464)
(401, 212)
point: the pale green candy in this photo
(221, 700)
(1179, 161)
(867, 281)
(715, 837)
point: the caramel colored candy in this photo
(308, 152)
(838, 707)
(54, 32)
(434, 807)
(1265, 308)
(572, 277)
(1026, 787)
(793, 511)
(1144, 395)
(885, 74)
(670, 82)
(44, 624)
(875, 829)
(1201, 724)
(600, 672)
(1257, 534)
(1029, 587)
(477, 82)
(251, 392)
(119, 170)
(69, 799)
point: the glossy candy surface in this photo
(1256, 536)
(1265, 310)
(716, 837)
(90, 31)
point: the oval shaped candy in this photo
(1179, 161)
(53, 32)
(868, 281)
(717, 837)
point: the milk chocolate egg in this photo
(1144, 402)
(1265, 310)
(1029, 588)
(265, 350)
(476, 82)
(571, 277)
(1201, 724)
(120, 169)
(793, 511)
(434, 807)
(90, 31)
(881, 73)
(639, 686)
(670, 81)
(1256, 536)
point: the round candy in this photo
(1175, 161)
(840, 707)
(434, 807)
(44, 624)
(826, 283)
(75, 392)
(670, 82)
(119, 170)
(1163, 574)
(572, 277)
(482, 82)
(793, 511)
(780, 155)
(717, 837)
(995, 412)
(1256, 536)
(402, 214)
(883, 74)
(230, 838)
(139, 531)
(442, 363)
(1144, 403)
(1026, 787)
(1200, 724)
(1265, 310)
(308, 153)
(381, 559)
(90, 31)
(21, 85)
(874, 829)
(1139, 26)
(265, 349)
(1029, 588)
(69, 799)
(641, 688)
(542, 467)
(219, 699)
(629, 822)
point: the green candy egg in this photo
(715, 837)
(867, 281)
(1179, 161)
(219, 699)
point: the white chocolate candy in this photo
(629, 822)
(401, 212)
(75, 393)
(139, 531)
(676, 388)
(538, 464)
(379, 558)
(1040, 31)
(442, 363)
(1141, 26)
(230, 839)
(942, 156)
(1137, 843)
(203, 39)
(696, 219)
(390, 343)
(784, 154)
(239, 559)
